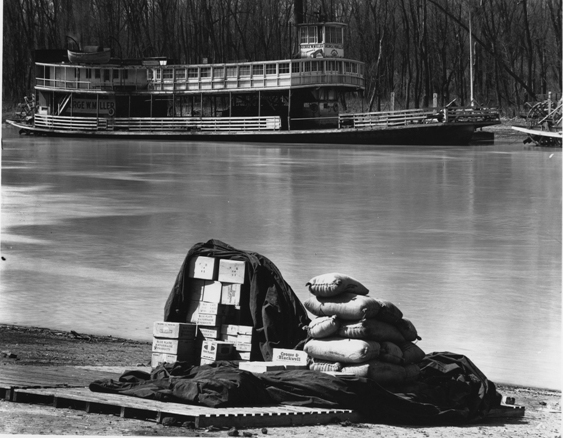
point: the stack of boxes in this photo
(215, 287)
(173, 342)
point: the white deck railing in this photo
(168, 124)
(384, 118)
(263, 75)
(406, 117)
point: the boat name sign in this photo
(89, 106)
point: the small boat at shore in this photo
(297, 100)
(541, 138)
(544, 127)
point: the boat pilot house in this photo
(301, 99)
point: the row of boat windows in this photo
(252, 70)
(180, 74)
(314, 35)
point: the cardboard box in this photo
(289, 356)
(245, 339)
(244, 329)
(209, 332)
(174, 330)
(231, 271)
(210, 308)
(212, 292)
(229, 338)
(230, 294)
(208, 319)
(243, 346)
(216, 350)
(229, 329)
(260, 367)
(202, 267)
(180, 347)
(160, 358)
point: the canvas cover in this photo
(449, 390)
(272, 308)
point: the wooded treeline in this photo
(413, 48)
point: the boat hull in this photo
(542, 138)
(424, 134)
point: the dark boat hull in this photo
(423, 134)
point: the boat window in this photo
(149, 74)
(116, 74)
(167, 73)
(124, 74)
(334, 35)
(218, 72)
(157, 74)
(270, 69)
(284, 67)
(354, 67)
(232, 72)
(303, 31)
(244, 70)
(307, 66)
(106, 75)
(312, 35)
(205, 72)
(295, 67)
(88, 73)
(97, 73)
(258, 70)
(192, 72)
(180, 74)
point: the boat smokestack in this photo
(298, 11)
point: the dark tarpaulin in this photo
(450, 390)
(277, 315)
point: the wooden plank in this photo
(202, 416)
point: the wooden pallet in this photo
(66, 386)
(201, 416)
(30, 376)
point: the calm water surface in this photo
(466, 241)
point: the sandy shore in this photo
(23, 346)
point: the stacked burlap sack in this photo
(355, 333)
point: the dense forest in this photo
(412, 48)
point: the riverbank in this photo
(23, 346)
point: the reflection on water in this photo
(465, 240)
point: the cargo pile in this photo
(212, 330)
(357, 334)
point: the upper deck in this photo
(196, 78)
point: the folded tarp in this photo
(271, 306)
(449, 390)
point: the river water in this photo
(466, 241)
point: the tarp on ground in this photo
(449, 390)
(276, 313)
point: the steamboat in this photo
(298, 100)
